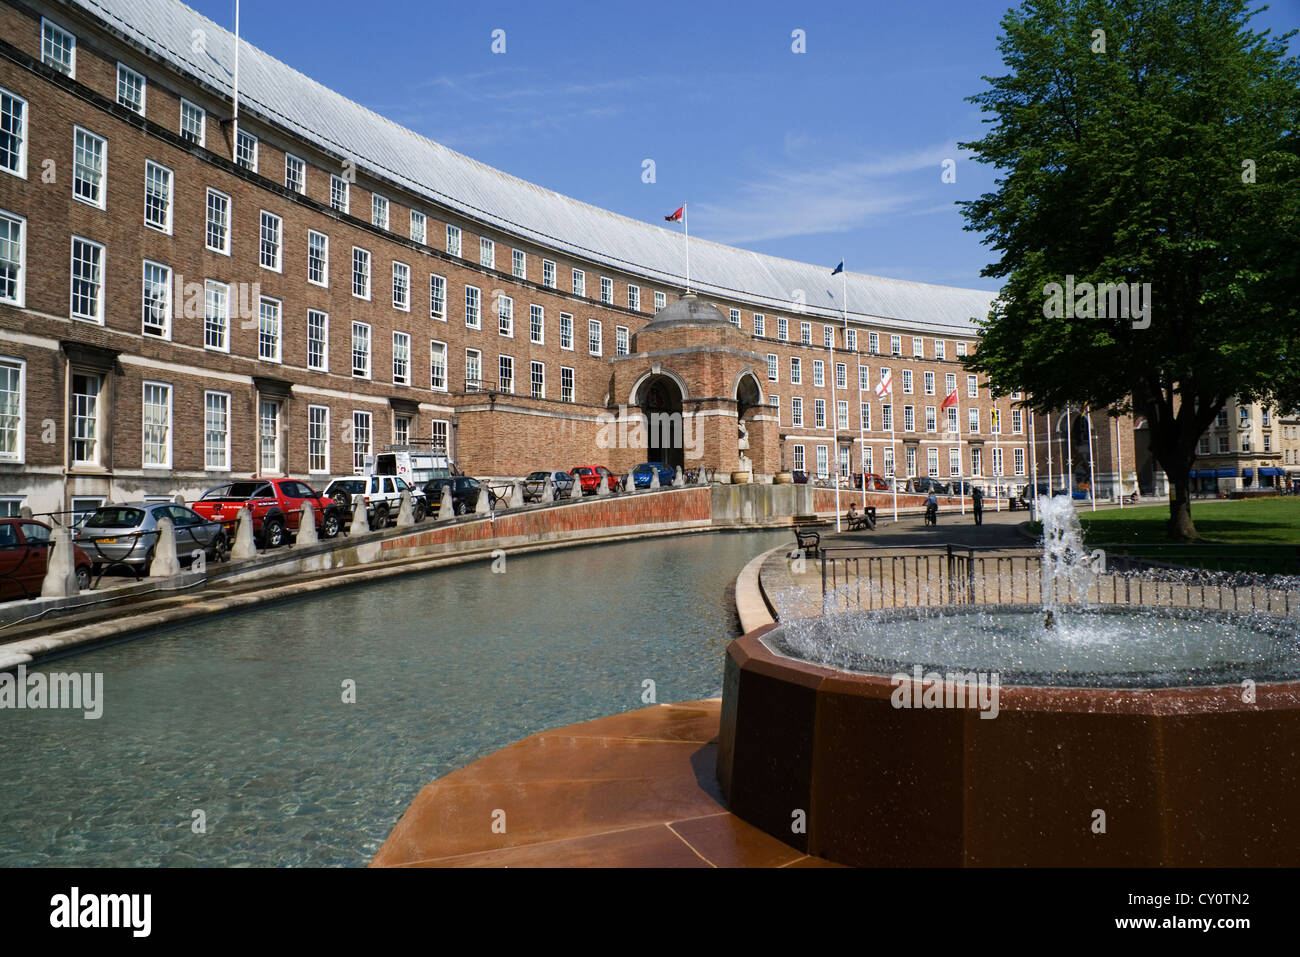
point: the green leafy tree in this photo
(1152, 143)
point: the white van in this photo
(416, 464)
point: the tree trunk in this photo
(1180, 527)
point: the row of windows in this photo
(909, 417)
(864, 377)
(822, 453)
(850, 338)
(87, 415)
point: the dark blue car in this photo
(642, 473)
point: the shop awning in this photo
(1269, 470)
(1248, 473)
(1225, 473)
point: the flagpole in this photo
(998, 468)
(893, 448)
(1092, 467)
(686, 231)
(1119, 462)
(234, 113)
(961, 459)
(835, 425)
(1033, 461)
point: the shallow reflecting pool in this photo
(242, 717)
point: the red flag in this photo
(949, 399)
(677, 216)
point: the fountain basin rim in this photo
(754, 653)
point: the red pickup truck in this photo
(275, 505)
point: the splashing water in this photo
(1068, 571)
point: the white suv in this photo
(382, 495)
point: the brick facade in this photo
(492, 429)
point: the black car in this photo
(464, 494)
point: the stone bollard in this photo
(26, 513)
(483, 506)
(575, 490)
(654, 478)
(244, 546)
(548, 490)
(699, 477)
(679, 480)
(517, 495)
(178, 499)
(165, 562)
(602, 490)
(307, 525)
(360, 521)
(629, 483)
(446, 507)
(60, 565)
(405, 513)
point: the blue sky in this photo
(835, 153)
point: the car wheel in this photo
(148, 565)
(329, 526)
(460, 508)
(220, 548)
(343, 498)
(419, 512)
(381, 518)
(273, 533)
(83, 578)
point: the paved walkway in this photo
(631, 790)
(1000, 530)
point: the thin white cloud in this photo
(785, 201)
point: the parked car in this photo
(535, 484)
(465, 492)
(275, 505)
(874, 482)
(642, 473)
(590, 476)
(24, 555)
(381, 494)
(126, 535)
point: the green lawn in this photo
(1270, 521)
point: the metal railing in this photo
(924, 576)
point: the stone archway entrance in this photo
(748, 398)
(660, 400)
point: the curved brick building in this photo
(186, 296)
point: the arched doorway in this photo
(748, 398)
(660, 400)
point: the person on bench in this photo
(859, 520)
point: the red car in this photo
(589, 476)
(24, 553)
(275, 504)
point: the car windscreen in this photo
(238, 490)
(114, 517)
(537, 476)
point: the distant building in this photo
(1246, 447)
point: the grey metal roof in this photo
(282, 95)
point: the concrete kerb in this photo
(752, 606)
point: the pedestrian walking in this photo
(977, 503)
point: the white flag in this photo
(884, 385)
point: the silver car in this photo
(126, 535)
(535, 484)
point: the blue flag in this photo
(838, 269)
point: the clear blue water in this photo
(242, 716)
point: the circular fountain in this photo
(1098, 718)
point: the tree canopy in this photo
(1153, 144)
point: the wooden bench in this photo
(866, 520)
(806, 539)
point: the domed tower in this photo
(689, 393)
